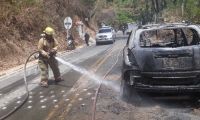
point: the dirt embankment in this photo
(22, 22)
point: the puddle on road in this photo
(93, 77)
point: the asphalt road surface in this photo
(77, 89)
(73, 99)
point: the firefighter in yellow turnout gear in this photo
(47, 47)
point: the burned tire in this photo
(125, 90)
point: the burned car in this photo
(162, 58)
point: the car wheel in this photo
(74, 47)
(70, 47)
(125, 90)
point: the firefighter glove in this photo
(48, 55)
(53, 50)
(52, 53)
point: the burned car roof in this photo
(168, 26)
(165, 33)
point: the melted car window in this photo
(104, 30)
(180, 35)
(167, 38)
(190, 36)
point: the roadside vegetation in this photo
(22, 21)
(148, 11)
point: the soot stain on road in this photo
(144, 106)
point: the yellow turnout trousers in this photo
(43, 64)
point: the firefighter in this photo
(47, 47)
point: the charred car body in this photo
(162, 57)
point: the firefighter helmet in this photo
(49, 31)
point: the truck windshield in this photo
(104, 30)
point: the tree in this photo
(124, 17)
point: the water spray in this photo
(94, 77)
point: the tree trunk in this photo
(182, 7)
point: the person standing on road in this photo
(87, 37)
(47, 47)
(123, 30)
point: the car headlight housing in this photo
(109, 36)
(97, 36)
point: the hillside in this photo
(22, 22)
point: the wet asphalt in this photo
(55, 101)
(72, 99)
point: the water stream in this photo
(93, 77)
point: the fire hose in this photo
(96, 94)
(27, 92)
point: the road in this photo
(47, 103)
(73, 99)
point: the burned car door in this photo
(194, 42)
(126, 49)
